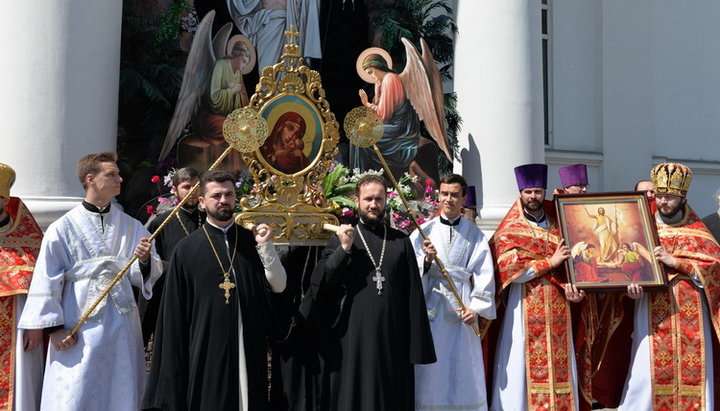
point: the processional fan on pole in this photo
(287, 165)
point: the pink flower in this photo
(392, 194)
(150, 210)
(420, 220)
(155, 179)
(396, 216)
(347, 212)
(428, 189)
(404, 224)
(163, 200)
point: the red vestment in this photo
(518, 246)
(677, 346)
(676, 328)
(19, 248)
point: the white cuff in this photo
(274, 271)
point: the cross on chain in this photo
(227, 285)
(379, 279)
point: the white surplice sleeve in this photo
(43, 308)
(482, 296)
(274, 270)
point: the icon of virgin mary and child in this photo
(284, 147)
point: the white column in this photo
(59, 99)
(498, 79)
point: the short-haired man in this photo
(672, 365)
(574, 179)
(187, 220)
(457, 379)
(102, 367)
(712, 221)
(366, 289)
(219, 306)
(647, 187)
(535, 365)
(21, 361)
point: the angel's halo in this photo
(359, 63)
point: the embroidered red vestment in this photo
(19, 248)
(677, 346)
(518, 246)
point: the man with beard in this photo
(457, 379)
(535, 362)
(366, 293)
(187, 220)
(102, 366)
(219, 306)
(672, 365)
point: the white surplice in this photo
(509, 389)
(457, 379)
(28, 368)
(80, 255)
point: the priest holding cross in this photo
(367, 297)
(221, 302)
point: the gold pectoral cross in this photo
(379, 279)
(227, 285)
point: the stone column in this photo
(60, 95)
(498, 79)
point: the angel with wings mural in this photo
(402, 100)
(212, 88)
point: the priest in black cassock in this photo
(366, 293)
(220, 304)
(187, 220)
(712, 221)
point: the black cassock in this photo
(712, 222)
(165, 243)
(371, 342)
(195, 357)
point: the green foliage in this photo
(433, 21)
(150, 76)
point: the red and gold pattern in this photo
(19, 248)
(677, 349)
(517, 246)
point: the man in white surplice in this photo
(264, 22)
(457, 379)
(102, 366)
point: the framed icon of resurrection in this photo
(611, 237)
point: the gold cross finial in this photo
(227, 285)
(292, 34)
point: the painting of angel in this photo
(609, 235)
(212, 88)
(402, 100)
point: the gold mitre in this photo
(671, 178)
(7, 178)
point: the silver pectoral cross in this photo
(379, 279)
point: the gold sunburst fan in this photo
(245, 130)
(363, 126)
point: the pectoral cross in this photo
(227, 285)
(379, 279)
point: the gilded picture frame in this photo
(611, 237)
(291, 163)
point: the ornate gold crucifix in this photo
(227, 285)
